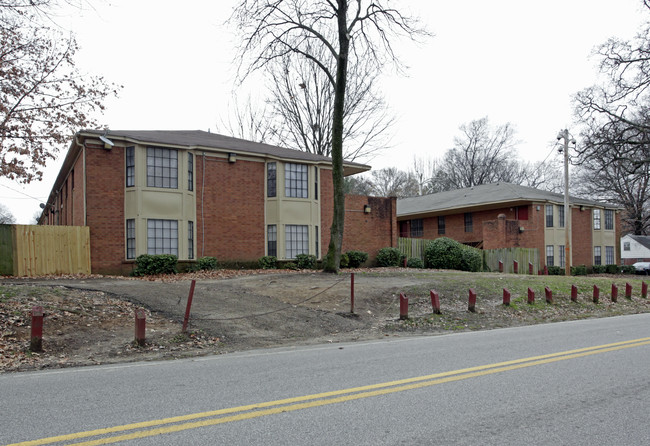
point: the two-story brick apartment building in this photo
(195, 194)
(503, 215)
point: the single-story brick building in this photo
(196, 194)
(503, 215)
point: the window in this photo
(609, 219)
(317, 241)
(190, 239)
(609, 255)
(296, 240)
(162, 237)
(416, 228)
(441, 224)
(549, 215)
(190, 172)
(270, 180)
(562, 255)
(597, 219)
(626, 246)
(295, 180)
(549, 255)
(560, 216)
(130, 166)
(597, 258)
(316, 184)
(469, 224)
(130, 238)
(403, 228)
(272, 240)
(162, 167)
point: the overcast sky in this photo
(514, 61)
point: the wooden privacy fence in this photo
(27, 250)
(414, 247)
(508, 256)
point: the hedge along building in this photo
(196, 194)
(504, 215)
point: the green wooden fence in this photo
(414, 247)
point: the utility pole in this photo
(564, 134)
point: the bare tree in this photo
(45, 99)
(332, 35)
(392, 182)
(480, 155)
(303, 101)
(249, 121)
(6, 217)
(611, 171)
(358, 185)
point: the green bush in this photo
(598, 269)
(580, 270)
(612, 269)
(555, 271)
(268, 262)
(206, 263)
(345, 261)
(443, 253)
(147, 265)
(415, 262)
(290, 265)
(356, 258)
(471, 259)
(628, 269)
(390, 257)
(305, 261)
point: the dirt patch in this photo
(90, 320)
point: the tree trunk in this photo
(333, 257)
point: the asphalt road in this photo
(579, 383)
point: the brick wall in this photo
(232, 203)
(105, 208)
(581, 237)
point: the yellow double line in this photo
(211, 418)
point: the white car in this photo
(642, 267)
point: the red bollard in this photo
(614, 293)
(36, 343)
(188, 307)
(530, 268)
(574, 293)
(549, 295)
(500, 266)
(531, 296)
(515, 266)
(403, 307)
(506, 297)
(644, 290)
(140, 325)
(628, 290)
(352, 293)
(435, 302)
(472, 301)
(596, 294)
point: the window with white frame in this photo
(597, 255)
(561, 255)
(270, 180)
(190, 239)
(130, 166)
(162, 167)
(549, 215)
(295, 180)
(609, 255)
(162, 237)
(272, 240)
(626, 246)
(560, 216)
(296, 239)
(549, 255)
(609, 219)
(596, 218)
(190, 171)
(130, 238)
(317, 237)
